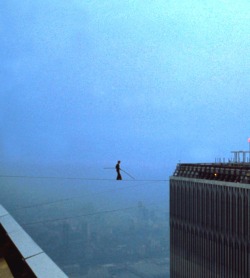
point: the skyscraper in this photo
(209, 220)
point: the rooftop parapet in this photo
(23, 256)
(230, 172)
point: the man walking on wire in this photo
(119, 177)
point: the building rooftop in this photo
(20, 256)
(230, 172)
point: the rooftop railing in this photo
(230, 172)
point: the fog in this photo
(94, 228)
(87, 83)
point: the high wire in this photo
(18, 209)
(109, 168)
(147, 182)
(73, 178)
(82, 215)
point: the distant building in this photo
(210, 220)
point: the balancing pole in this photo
(128, 174)
(106, 168)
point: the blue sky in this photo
(148, 82)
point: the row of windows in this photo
(194, 254)
(221, 208)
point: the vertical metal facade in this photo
(209, 228)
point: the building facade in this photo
(209, 220)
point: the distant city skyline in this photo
(86, 230)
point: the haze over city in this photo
(87, 83)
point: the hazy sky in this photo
(148, 82)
